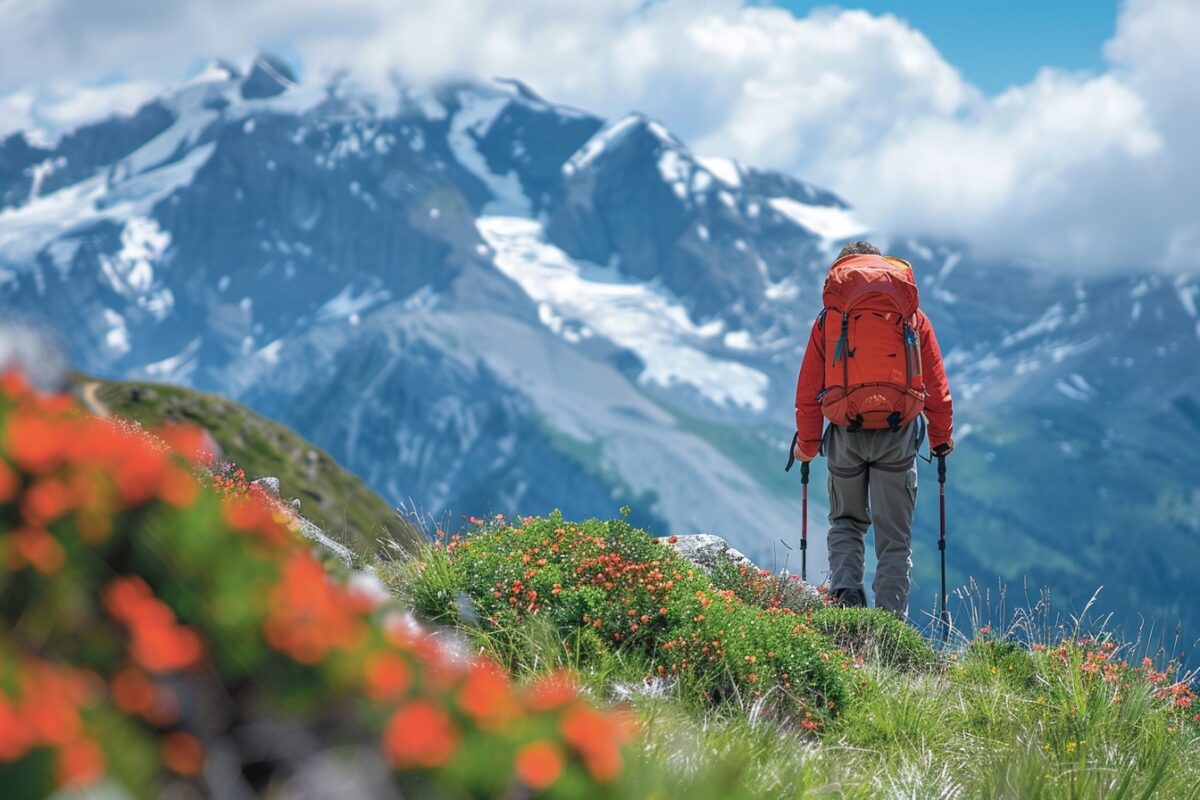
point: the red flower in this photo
(420, 734)
(596, 737)
(80, 764)
(182, 753)
(388, 676)
(487, 696)
(539, 765)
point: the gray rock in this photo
(269, 484)
(318, 536)
(704, 549)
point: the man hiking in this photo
(871, 368)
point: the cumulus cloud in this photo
(1077, 170)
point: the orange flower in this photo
(45, 502)
(254, 513)
(9, 482)
(80, 764)
(487, 696)
(191, 442)
(182, 753)
(596, 737)
(35, 443)
(133, 691)
(15, 736)
(159, 643)
(539, 765)
(178, 488)
(309, 614)
(36, 547)
(387, 676)
(420, 734)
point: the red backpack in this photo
(872, 355)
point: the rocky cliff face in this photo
(483, 301)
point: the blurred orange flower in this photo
(420, 734)
(539, 765)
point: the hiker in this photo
(872, 367)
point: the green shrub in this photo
(639, 601)
(763, 588)
(871, 633)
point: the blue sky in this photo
(1000, 43)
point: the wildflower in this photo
(159, 643)
(388, 676)
(487, 696)
(420, 734)
(595, 737)
(132, 691)
(182, 753)
(80, 764)
(539, 765)
(309, 615)
(37, 548)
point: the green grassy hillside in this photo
(746, 685)
(332, 497)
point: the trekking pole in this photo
(803, 505)
(804, 523)
(945, 615)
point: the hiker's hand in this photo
(800, 454)
(943, 450)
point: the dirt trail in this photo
(92, 400)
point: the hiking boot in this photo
(849, 598)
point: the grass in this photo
(333, 498)
(1069, 716)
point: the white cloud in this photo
(1073, 169)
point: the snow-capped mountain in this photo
(480, 300)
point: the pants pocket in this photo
(910, 483)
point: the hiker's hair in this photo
(859, 248)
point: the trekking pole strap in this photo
(792, 455)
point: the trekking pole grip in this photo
(941, 469)
(804, 471)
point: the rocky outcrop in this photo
(704, 550)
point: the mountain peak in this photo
(269, 76)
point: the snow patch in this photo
(828, 222)
(130, 271)
(595, 146)
(639, 317)
(1049, 322)
(472, 122)
(346, 303)
(676, 172)
(726, 170)
(1075, 387)
(1187, 294)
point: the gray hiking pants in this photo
(872, 479)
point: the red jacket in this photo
(939, 409)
